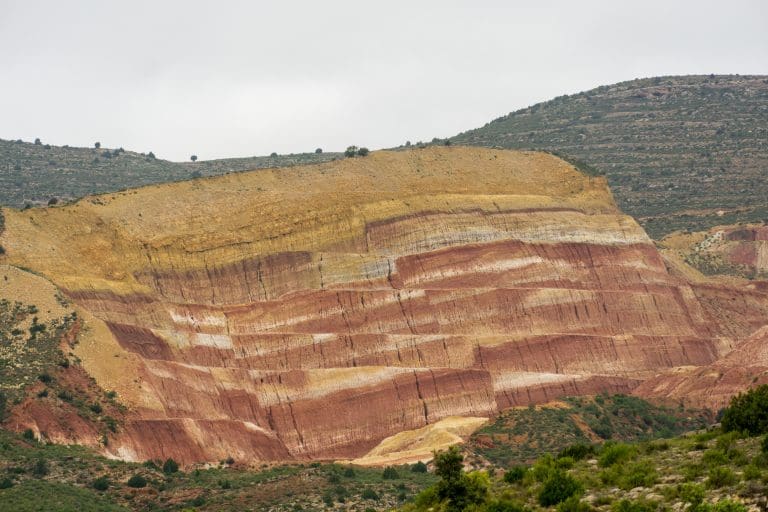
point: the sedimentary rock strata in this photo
(312, 312)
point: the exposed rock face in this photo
(713, 385)
(313, 311)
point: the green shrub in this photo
(170, 466)
(101, 483)
(65, 396)
(542, 468)
(729, 506)
(613, 453)
(634, 506)
(574, 504)
(349, 472)
(426, 498)
(457, 489)
(45, 378)
(419, 467)
(639, 474)
(714, 458)
(752, 472)
(726, 441)
(692, 471)
(390, 473)
(515, 474)
(764, 445)
(748, 412)
(720, 477)
(369, 494)
(565, 462)
(504, 505)
(137, 482)
(40, 468)
(28, 434)
(692, 494)
(96, 408)
(350, 152)
(557, 488)
(6, 483)
(363, 152)
(577, 451)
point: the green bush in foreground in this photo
(720, 477)
(557, 488)
(614, 453)
(634, 506)
(729, 506)
(503, 505)
(748, 412)
(515, 474)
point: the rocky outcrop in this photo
(312, 312)
(712, 386)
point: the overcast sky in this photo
(239, 78)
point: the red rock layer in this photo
(329, 372)
(713, 385)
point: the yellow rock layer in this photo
(98, 242)
(417, 445)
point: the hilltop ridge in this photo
(680, 152)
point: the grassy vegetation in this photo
(35, 174)
(77, 476)
(28, 348)
(709, 471)
(521, 435)
(679, 152)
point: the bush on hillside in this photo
(577, 451)
(137, 482)
(559, 487)
(503, 505)
(170, 466)
(748, 412)
(101, 483)
(390, 473)
(613, 453)
(515, 474)
(458, 490)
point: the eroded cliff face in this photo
(312, 312)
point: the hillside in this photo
(317, 312)
(701, 467)
(740, 250)
(684, 152)
(36, 173)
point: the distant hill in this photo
(684, 152)
(36, 173)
